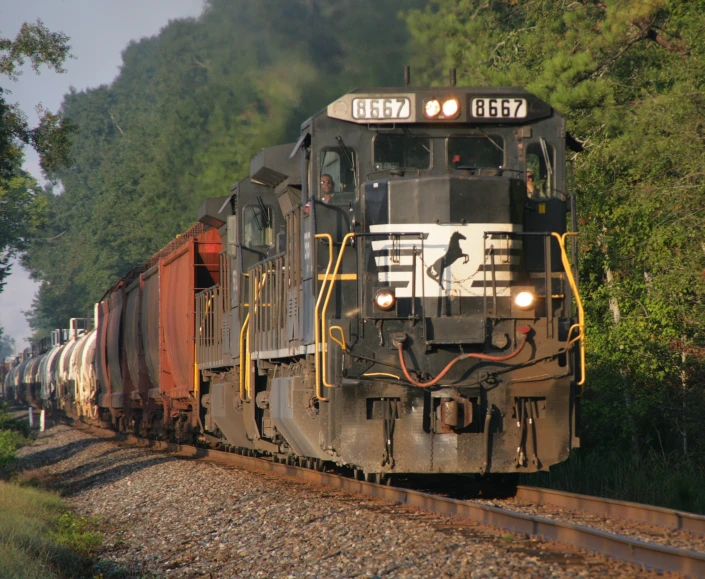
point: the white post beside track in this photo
(31, 418)
(42, 420)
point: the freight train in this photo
(392, 292)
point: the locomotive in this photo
(392, 292)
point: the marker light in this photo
(451, 108)
(524, 300)
(432, 108)
(385, 299)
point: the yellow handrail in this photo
(243, 356)
(248, 350)
(196, 376)
(245, 359)
(581, 312)
(383, 374)
(325, 305)
(340, 342)
(316, 320)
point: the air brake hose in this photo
(523, 330)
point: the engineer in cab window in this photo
(327, 188)
(530, 186)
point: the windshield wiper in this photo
(413, 136)
(264, 213)
(348, 158)
(490, 139)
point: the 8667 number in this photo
(497, 108)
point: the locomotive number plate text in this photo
(498, 108)
(381, 108)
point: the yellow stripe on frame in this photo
(339, 277)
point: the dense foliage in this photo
(182, 120)
(22, 207)
(629, 76)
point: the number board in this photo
(498, 108)
(381, 109)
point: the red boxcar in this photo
(145, 346)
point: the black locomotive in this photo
(395, 290)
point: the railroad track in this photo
(685, 562)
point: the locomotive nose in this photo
(447, 199)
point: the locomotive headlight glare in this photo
(385, 299)
(451, 108)
(432, 108)
(524, 300)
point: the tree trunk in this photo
(616, 318)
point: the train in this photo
(395, 292)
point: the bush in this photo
(13, 434)
(666, 480)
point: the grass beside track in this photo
(13, 434)
(663, 480)
(40, 537)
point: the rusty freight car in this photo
(145, 338)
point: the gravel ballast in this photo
(175, 517)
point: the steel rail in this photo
(660, 516)
(685, 562)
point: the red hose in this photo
(524, 330)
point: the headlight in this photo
(385, 299)
(451, 108)
(524, 300)
(432, 108)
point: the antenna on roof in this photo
(407, 75)
(452, 77)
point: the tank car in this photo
(62, 379)
(46, 370)
(396, 292)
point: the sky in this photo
(99, 31)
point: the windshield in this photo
(395, 151)
(258, 226)
(476, 152)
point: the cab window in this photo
(478, 152)
(402, 152)
(258, 226)
(539, 170)
(337, 175)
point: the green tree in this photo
(7, 345)
(21, 208)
